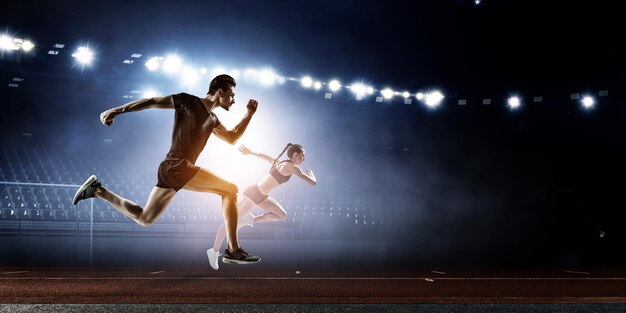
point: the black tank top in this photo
(280, 178)
(192, 127)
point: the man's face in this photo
(227, 98)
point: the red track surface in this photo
(39, 286)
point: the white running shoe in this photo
(213, 258)
(246, 220)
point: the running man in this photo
(257, 194)
(194, 121)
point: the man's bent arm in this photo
(231, 136)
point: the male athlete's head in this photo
(223, 86)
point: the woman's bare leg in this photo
(274, 211)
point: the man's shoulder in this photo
(186, 95)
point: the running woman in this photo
(257, 194)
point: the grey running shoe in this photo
(86, 190)
(239, 257)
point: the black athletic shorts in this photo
(254, 194)
(175, 173)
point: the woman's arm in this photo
(245, 151)
(307, 175)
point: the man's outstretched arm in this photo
(231, 136)
(109, 115)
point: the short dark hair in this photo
(221, 82)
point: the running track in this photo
(247, 286)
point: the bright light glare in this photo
(387, 93)
(433, 99)
(6, 42)
(588, 102)
(172, 64)
(83, 55)
(27, 46)
(514, 102)
(306, 82)
(334, 85)
(267, 77)
(190, 77)
(359, 89)
(153, 64)
(150, 93)
(217, 71)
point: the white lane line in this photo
(328, 278)
(154, 273)
(16, 272)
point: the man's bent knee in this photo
(145, 221)
(231, 191)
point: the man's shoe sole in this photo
(233, 261)
(82, 188)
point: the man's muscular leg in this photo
(205, 181)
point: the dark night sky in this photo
(408, 44)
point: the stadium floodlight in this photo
(334, 85)
(27, 46)
(419, 96)
(267, 77)
(317, 85)
(150, 93)
(370, 90)
(218, 70)
(406, 94)
(359, 90)
(172, 64)
(250, 72)
(153, 64)
(189, 76)
(306, 82)
(6, 42)
(434, 98)
(83, 55)
(587, 102)
(387, 93)
(514, 102)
